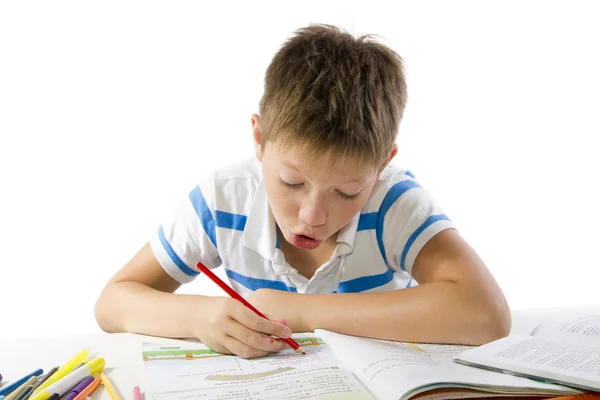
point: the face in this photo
(311, 198)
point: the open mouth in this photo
(304, 241)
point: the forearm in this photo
(438, 312)
(133, 307)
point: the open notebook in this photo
(335, 367)
(563, 350)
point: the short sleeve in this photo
(187, 236)
(411, 219)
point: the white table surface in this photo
(122, 351)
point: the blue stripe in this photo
(206, 217)
(429, 221)
(366, 282)
(230, 221)
(407, 172)
(408, 284)
(255, 283)
(174, 257)
(392, 195)
(367, 221)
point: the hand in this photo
(232, 328)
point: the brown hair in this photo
(331, 93)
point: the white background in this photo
(111, 111)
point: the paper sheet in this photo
(391, 369)
(192, 371)
(579, 329)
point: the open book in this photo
(335, 367)
(560, 350)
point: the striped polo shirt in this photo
(226, 221)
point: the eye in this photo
(348, 196)
(291, 186)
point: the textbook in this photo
(562, 350)
(583, 396)
(335, 366)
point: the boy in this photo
(318, 231)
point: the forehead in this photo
(320, 165)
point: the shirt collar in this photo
(347, 235)
(260, 233)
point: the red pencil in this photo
(236, 296)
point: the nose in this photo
(312, 212)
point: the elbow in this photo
(103, 315)
(495, 321)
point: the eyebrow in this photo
(292, 166)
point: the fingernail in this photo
(287, 332)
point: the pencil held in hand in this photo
(293, 344)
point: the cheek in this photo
(346, 211)
(281, 201)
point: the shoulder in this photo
(407, 217)
(245, 169)
(393, 183)
(232, 187)
(392, 174)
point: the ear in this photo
(388, 159)
(257, 134)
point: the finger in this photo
(249, 319)
(243, 350)
(215, 343)
(256, 340)
(281, 321)
(219, 349)
(281, 343)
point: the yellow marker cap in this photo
(95, 365)
(65, 369)
(91, 368)
(40, 396)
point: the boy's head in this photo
(326, 91)
(332, 101)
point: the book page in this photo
(191, 370)
(394, 370)
(579, 329)
(547, 358)
(330, 385)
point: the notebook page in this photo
(391, 369)
(544, 357)
(579, 329)
(191, 370)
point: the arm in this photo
(140, 299)
(457, 301)
(141, 293)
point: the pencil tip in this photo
(300, 350)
